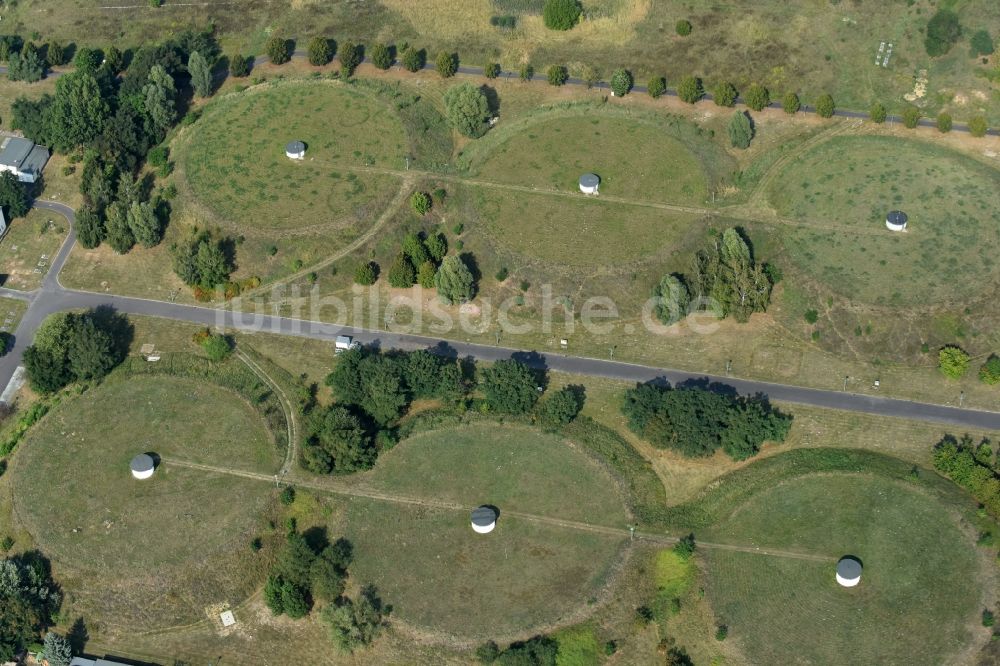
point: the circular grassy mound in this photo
(634, 159)
(919, 589)
(845, 187)
(234, 161)
(165, 544)
(443, 577)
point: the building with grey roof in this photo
(23, 158)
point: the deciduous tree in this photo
(467, 109)
(13, 197)
(621, 82)
(509, 386)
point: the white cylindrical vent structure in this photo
(848, 572)
(484, 519)
(589, 183)
(142, 466)
(295, 150)
(896, 220)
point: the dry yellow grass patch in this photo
(614, 24)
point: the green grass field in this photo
(28, 247)
(441, 576)
(512, 467)
(918, 594)
(180, 536)
(234, 158)
(849, 184)
(575, 231)
(635, 159)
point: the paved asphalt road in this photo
(52, 297)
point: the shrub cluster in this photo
(969, 466)
(72, 347)
(698, 421)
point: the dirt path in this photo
(291, 451)
(758, 198)
(334, 488)
(405, 187)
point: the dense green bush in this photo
(724, 94)
(757, 97)
(561, 14)
(683, 27)
(350, 55)
(690, 89)
(696, 422)
(446, 64)
(402, 274)
(380, 55)
(824, 106)
(978, 126)
(366, 274)
(989, 372)
(791, 103)
(877, 113)
(944, 122)
(953, 361)
(656, 86)
(355, 623)
(740, 130)
(413, 60)
(557, 75)
(621, 82)
(239, 65)
(217, 347)
(491, 70)
(277, 50)
(957, 459)
(420, 202)
(943, 30)
(320, 51)
(911, 117)
(509, 386)
(562, 407)
(981, 44)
